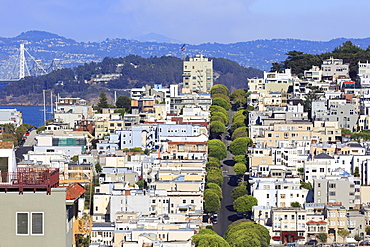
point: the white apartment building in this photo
(277, 192)
(364, 73)
(197, 74)
(11, 116)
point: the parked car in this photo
(365, 243)
(351, 244)
(311, 242)
(240, 214)
(293, 244)
(336, 245)
(214, 219)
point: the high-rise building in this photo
(197, 74)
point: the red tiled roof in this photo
(6, 144)
(74, 191)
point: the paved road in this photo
(226, 214)
(30, 141)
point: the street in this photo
(226, 213)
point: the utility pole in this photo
(43, 93)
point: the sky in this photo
(188, 21)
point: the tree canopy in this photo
(124, 102)
(211, 200)
(239, 145)
(245, 203)
(209, 238)
(221, 102)
(240, 168)
(217, 149)
(219, 89)
(217, 127)
(235, 234)
(239, 191)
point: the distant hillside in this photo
(136, 72)
(256, 54)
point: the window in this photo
(37, 223)
(37, 226)
(22, 223)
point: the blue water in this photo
(33, 115)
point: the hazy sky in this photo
(189, 21)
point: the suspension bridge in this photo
(23, 64)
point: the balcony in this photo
(29, 179)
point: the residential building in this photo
(11, 116)
(197, 74)
(333, 69)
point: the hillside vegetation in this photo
(299, 61)
(135, 72)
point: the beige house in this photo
(336, 217)
(197, 74)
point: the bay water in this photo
(33, 115)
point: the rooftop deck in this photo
(29, 179)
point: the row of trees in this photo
(219, 110)
(216, 148)
(239, 233)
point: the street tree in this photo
(213, 162)
(240, 132)
(240, 158)
(217, 108)
(237, 124)
(220, 95)
(240, 168)
(242, 228)
(238, 114)
(225, 118)
(217, 128)
(343, 233)
(240, 145)
(322, 236)
(209, 238)
(217, 149)
(238, 192)
(218, 192)
(211, 201)
(221, 102)
(245, 203)
(219, 89)
(238, 92)
(215, 176)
